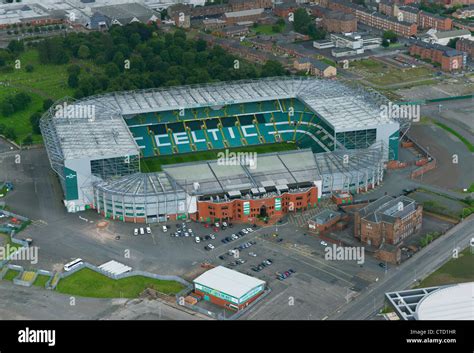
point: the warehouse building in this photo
(228, 288)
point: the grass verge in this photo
(469, 145)
(88, 283)
(454, 271)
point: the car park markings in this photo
(316, 267)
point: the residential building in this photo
(449, 59)
(466, 46)
(315, 67)
(430, 20)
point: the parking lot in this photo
(316, 289)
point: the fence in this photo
(123, 275)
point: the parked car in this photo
(211, 247)
(222, 257)
(135, 231)
(212, 236)
(148, 230)
(383, 265)
(217, 224)
(245, 231)
(197, 240)
(323, 243)
(250, 230)
(234, 237)
(165, 229)
(186, 234)
(252, 254)
(142, 231)
(224, 224)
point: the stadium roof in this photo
(228, 281)
(91, 129)
(344, 107)
(278, 168)
(140, 184)
(451, 302)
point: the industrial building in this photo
(228, 288)
(344, 144)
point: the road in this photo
(421, 265)
(34, 303)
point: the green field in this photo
(10, 275)
(154, 164)
(41, 281)
(383, 74)
(454, 271)
(266, 29)
(88, 283)
(46, 81)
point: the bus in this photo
(73, 264)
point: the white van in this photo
(165, 229)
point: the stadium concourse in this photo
(95, 146)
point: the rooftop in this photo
(451, 302)
(388, 209)
(228, 281)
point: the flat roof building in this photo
(228, 288)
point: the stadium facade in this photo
(95, 145)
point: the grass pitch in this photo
(154, 164)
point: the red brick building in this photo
(283, 10)
(387, 221)
(429, 20)
(449, 59)
(240, 5)
(466, 46)
(339, 22)
(249, 210)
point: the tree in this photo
(47, 103)
(6, 108)
(16, 46)
(390, 36)
(452, 42)
(301, 21)
(73, 81)
(112, 70)
(83, 52)
(385, 43)
(74, 70)
(10, 133)
(272, 68)
(34, 121)
(28, 140)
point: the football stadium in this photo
(99, 147)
